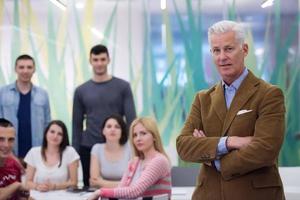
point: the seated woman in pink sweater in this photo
(149, 173)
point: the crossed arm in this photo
(245, 153)
(233, 142)
(13, 188)
(96, 180)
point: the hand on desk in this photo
(94, 195)
(45, 187)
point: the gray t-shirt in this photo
(94, 102)
(111, 170)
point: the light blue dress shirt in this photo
(229, 93)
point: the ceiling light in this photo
(97, 33)
(163, 4)
(60, 4)
(267, 3)
(79, 5)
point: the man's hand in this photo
(236, 142)
(198, 133)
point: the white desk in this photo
(182, 193)
(58, 195)
(178, 193)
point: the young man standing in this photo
(95, 100)
(10, 169)
(26, 106)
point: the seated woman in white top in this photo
(110, 159)
(53, 166)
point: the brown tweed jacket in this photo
(251, 172)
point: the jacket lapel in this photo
(245, 91)
(218, 102)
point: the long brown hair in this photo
(64, 143)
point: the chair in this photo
(184, 176)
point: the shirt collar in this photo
(13, 86)
(236, 84)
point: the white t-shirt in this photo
(53, 174)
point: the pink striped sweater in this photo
(154, 179)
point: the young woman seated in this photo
(148, 174)
(53, 166)
(110, 159)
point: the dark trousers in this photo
(85, 157)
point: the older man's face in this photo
(228, 55)
(7, 141)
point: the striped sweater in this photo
(154, 179)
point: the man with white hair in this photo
(235, 128)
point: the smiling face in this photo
(7, 141)
(142, 139)
(112, 130)
(228, 55)
(24, 69)
(54, 135)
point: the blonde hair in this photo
(151, 126)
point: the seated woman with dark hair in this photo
(149, 173)
(53, 166)
(110, 159)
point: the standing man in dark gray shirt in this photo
(95, 100)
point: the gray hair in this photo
(227, 26)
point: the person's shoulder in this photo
(160, 159)
(4, 87)
(266, 87)
(37, 149)
(12, 162)
(133, 161)
(70, 150)
(33, 153)
(207, 92)
(9, 86)
(84, 85)
(69, 155)
(119, 81)
(97, 146)
(39, 89)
